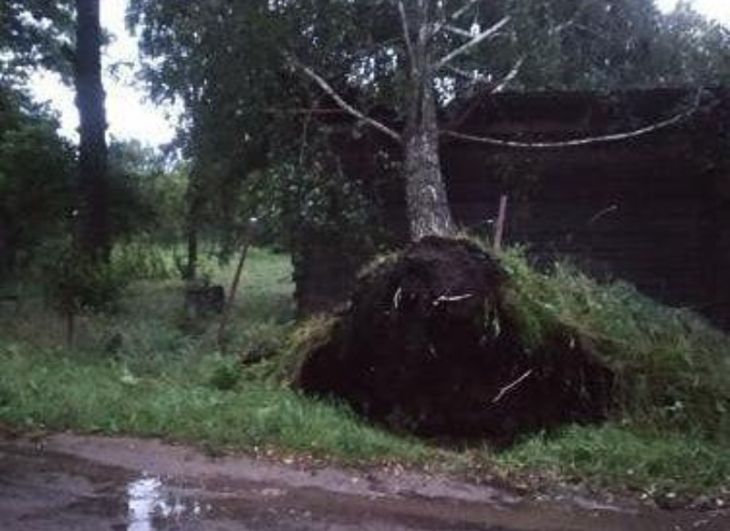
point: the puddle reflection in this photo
(147, 502)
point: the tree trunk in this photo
(191, 226)
(94, 230)
(191, 267)
(429, 213)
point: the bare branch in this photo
(342, 103)
(477, 78)
(480, 37)
(471, 76)
(500, 142)
(314, 111)
(458, 31)
(574, 20)
(506, 80)
(463, 9)
(438, 28)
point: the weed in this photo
(143, 261)
(283, 367)
(615, 455)
(671, 432)
(225, 375)
(672, 366)
(58, 391)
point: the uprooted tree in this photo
(253, 74)
(435, 38)
(431, 341)
(440, 341)
(434, 340)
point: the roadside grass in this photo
(149, 332)
(56, 391)
(652, 463)
(141, 372)
(161, 380)
(672, 367)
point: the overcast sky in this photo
(131, 117)
(719, 9)
(128, 114)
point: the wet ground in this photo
(94, 483)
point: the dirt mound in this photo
(432, 344)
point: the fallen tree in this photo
(435, 342)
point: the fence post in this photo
(499, 227)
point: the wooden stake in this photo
(499, 227)
(234, 288)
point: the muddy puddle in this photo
(94, 483)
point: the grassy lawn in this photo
(140, 372)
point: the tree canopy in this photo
(36, 179)
(233, 64)
(35, 33)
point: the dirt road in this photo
(94, 483)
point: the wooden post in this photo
(70, 329)
(234, 286)
(501, 220)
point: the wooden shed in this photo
(652, 209)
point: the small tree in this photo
(36, 174)
(77, 284)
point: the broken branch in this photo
(463, 9)
(480, 37)
(506, 80)
(327, 88)
(510, 387)
(458, 31)
(578, 141)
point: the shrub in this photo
(76, 284)
(143, 261)
(225, 375)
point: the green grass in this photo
(53, 391)
(163, 381)
(613, 455)
(150, 322)
(673, 368)
(669, 435)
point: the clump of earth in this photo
(433, 342)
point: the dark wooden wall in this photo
(653, 210)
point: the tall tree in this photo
(35, 33)
(94, 230)
(413, 56)
(437, 36)
(36, 176)
(428, 206)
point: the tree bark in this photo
(429, 213)
(191, 267)
(194, 202)
(94, 234)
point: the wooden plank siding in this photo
(653, 210)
